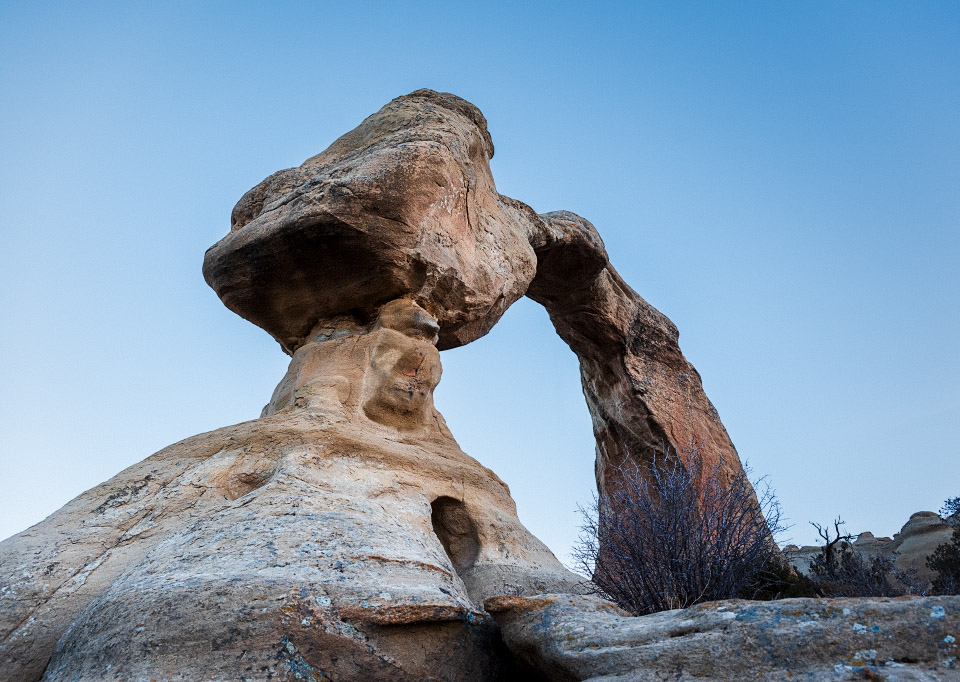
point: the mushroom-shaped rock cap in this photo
(404, 205)
(922, 522)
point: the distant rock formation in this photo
(344, 535)
(908, 549)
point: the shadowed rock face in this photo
(344, 535)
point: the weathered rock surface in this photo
(641, 391)
(908, 549)
(402, 206)
(344, 535)
(570, 638)
(405, 206)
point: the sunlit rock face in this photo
(344, 535)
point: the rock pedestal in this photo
(344, 535)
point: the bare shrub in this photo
(945, 559)
(839, 570)
(951, 510)
(673, 533)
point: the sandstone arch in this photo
(411, 187)
(205, 559)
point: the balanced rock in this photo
(344, 535)
(402, 206)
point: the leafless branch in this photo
(674, 533)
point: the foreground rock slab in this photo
(579, 638)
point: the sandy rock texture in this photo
(404, 205)
(908, 549)
(641, 391)
(573, 638)
(343, 536)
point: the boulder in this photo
(920, 535)
(577, 638)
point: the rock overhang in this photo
(403, 206)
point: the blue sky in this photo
(781, 179)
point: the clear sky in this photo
(781, 179)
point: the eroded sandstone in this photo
(643, 394)
(344, 535)
(908, 549)
(583, 638)
(404, 205)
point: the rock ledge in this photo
(573, 638)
